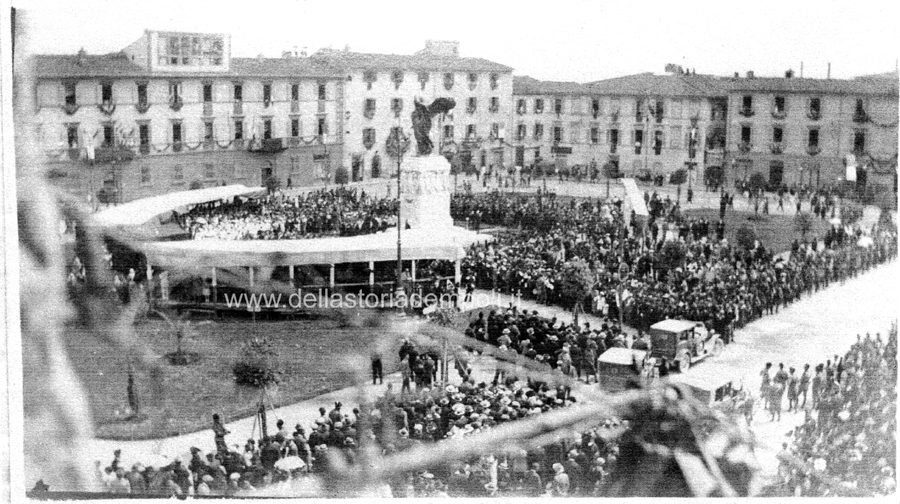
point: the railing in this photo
(142, 106)
(175, 103)
(177, 146)
(747, 111)
(71, 108)
(860, 116)
(107, 107)
(812, 150)
(813, 114)
(779, 114)
(144, 148)
(776, 148)
(745, 146)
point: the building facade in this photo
(799, 131)
(380, 90)
(174, 111)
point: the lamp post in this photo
(397, 144)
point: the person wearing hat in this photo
(120, 484)
(219, 432)
(136, 479)
(203, 487)
(533, 486)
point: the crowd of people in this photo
(721, 283)
(325, 212)
(847, 445)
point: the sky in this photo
(551, 40)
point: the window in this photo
(639, 110)
(109, 137)
(472, 104)
(557, 106)
(267, 129)
(295, 127)
(746, 134)
(538, 131)
(574, 133)
(576, 105)
(521, 132)
(368, 137)
(145, 175)
(859, 141)
(448, 131)
(638, 141)
(658, 110)
(495, 130)
(142, 93)
(747, 102)
(538, 106)
(106, 93)
(238, 92)
(177, 174)
(144, 135)
(658, 142)
(207, 93)
(209, 171)
(595, 107)
(396, 104)
(813, 138)
(815, 108)
(613, 140)
(192, 50)
(557, 134)
(174, 90)
(322, 127)
(322, 91)
(370, 104)
(238, 130)
(71, 98)
(176, 132)
(267, 94)
(208, 131)
(495, 104)
(470, 131)
(777, 134)
(295, 92)
(675, 136)
(521, 108)
(295, 165)
(72, 135)
(595, 134)
(779, 104)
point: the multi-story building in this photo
(805, 131)
(380, 90)
(174, 111)
(638, 123)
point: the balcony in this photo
(494, 108)
(776, 147)
(294, 142)
(267, 102)
(177, 146)
(207, 109)
(369, 112)
(238, 108)
(107, 107)
(115, 154)
(520, 109)
(813, 150)
(70, 108)
(295, 106)
(860, 116)
(142, 106)
(746, 111)
(268, 146)
(471, 110)
(779, 114)
(613, 148)
(175, 103)
(368, 142)
(745, 147)
(813, 114)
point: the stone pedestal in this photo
(425, 193)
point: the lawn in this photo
(312, 354)
(775, 231)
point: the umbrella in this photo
(865, 241)
(290, 463)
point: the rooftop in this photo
(49, 66)
(525, 85)
(420, 61)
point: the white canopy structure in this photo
(142, 211)
(416, 244)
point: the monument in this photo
(425, 198)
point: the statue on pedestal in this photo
(421, 121)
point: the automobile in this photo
(715, 389)
(618, 367)
(682, 343)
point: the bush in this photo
(575, 282)
(745, 236)
(678, 177)
(803, 223)
(258, 365)
(341, 176)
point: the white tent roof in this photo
(416, 244)
(623, 356)
(138, 212)
(672, 325)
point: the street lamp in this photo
(396, 145)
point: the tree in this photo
(745, 237)
(341, 176)
(575, 282)
(671, 255)
(258, 365)
(678, 177)
(803, 223)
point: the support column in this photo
(149, 283)
(412, 270)
(371, 273)
(291, 271)
(331, 277)
(215, 285)
(250, 273)
(457, 272)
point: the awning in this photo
(138, 212)
(416, 244)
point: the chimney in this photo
(749, 74)
(737, 75)
(789, 73)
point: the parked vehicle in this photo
(618, 367)
(682, 343)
